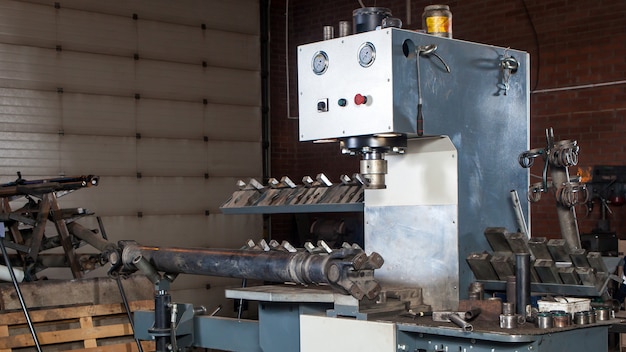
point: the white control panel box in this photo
(356, 85)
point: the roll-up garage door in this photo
(159, 98)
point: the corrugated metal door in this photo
(159, 98)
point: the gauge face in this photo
(319, 63)
(367, 54)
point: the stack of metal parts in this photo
(284, 196)
(555, 268)
(26, 224)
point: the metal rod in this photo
(244, 283)
(147, 269)
(88, 236)
(420, 115)
(522, 282)
(101, 227)
(584, 86)
(127, 308)
(17, 288)
(458, 321)
(519, 214)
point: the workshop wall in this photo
(578, 73)
(160, 99)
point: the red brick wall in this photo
(577, 43)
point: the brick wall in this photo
(574, 44)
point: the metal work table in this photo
(424, 334)
(284, 309)
(483, 329)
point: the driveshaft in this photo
(349, 270)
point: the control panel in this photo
(357, 85)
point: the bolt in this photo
(334, 273)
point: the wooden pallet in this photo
(103, 327)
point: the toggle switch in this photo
(360, 99)
(322, 105)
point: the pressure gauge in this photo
(367, 54)
(319, 63)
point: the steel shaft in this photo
(275, 266)
(349, 270)
(566, 216)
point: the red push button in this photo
(360, 99)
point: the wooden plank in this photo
(17, 317)
(65, 336)
(88, 331)
(125, 347)
(87, 291)
(87, 323)
(4, 331)
(42, 217)
(66, 240)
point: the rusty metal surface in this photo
(27, 224)
(555, 267)
(284, 196)
(348, 269)
(490, 310)
(527, 331)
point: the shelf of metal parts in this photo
(337, 198)
(491, 332)
(560, 289)
(299, 208)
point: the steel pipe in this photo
(522, 282)
(566, 215)
(85, 234)
(348, 269)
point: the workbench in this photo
(314, 319)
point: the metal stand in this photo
(17, 288)
(127, 307)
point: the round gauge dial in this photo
(320, 62)
(367, 54)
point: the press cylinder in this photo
(374, 169)
(368, 18)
